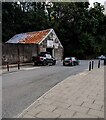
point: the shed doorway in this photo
(50, 51)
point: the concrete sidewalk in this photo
(23, 66)
(78, 96)
(14, 68)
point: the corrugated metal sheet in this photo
(17, 38)
(30, 37)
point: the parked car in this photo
(102, 57)
(44, 59)
(70, 61)
(105, 61)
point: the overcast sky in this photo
(100, 1)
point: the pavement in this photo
(23, 66)
(78, 96)
(14, 68)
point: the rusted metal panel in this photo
(29, 38)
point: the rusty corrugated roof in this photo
(30, 37)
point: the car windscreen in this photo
(48, 56)
(67, 58)
(73, 58)
(42, 55)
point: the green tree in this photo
(81, 30)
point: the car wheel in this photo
(72, 63)
(76, 63)
(44, 63)
(35, 64)
(63, 64)
(54, 63)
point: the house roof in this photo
(30, 37)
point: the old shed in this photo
(25, 45)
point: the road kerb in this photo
(85, 72)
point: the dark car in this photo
(70, 61)
(44, 59)
(105, 61)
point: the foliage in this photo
(81, 30)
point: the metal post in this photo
(90, 66)
(18, 54)
(7, 66)
(18, 65)
(18, 58)
(99, 64)
(104, 61)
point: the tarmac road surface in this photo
(21, 88)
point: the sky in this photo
(100, 1)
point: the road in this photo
(21, 88)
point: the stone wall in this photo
(26, 51)
(58, 53)
(10, 52)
